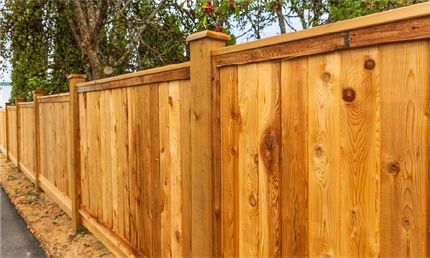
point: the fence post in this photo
(7, 104)
(37, 94)
(18, 131)
(204, 230)
(74, 79)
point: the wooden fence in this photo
(310, 144)
(2, 129)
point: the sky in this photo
(267, 32)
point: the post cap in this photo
(73, 76)
(19, 99)
(38, 92)
(208, 34)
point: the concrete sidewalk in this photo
(15, 236)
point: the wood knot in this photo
(252, 201)
(269, 141)
(369, 64)
(162, 150)
(326, 77)
(178, 235)
(232, 151)
(348, 95)
(232, 115)
(406, 224)
(217, 212)
(393, 168)
(318, 152)
(327, 256)
(256, 158)
(165, 181)
(170, 101)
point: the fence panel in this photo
(11, 133)
(3, 130)
(28, 139)
(54, 131)
(135, 168)
(354, 148)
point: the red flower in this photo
(232, 5)
(217, 30)
(276, 7)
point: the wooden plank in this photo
(269, 122)
(18, 132)
(175, 168)
(110, 239)
(74, 145)
(97, 147)
(104, 149)
(248, 146)
(230, 119)
(294, 97)
(139, 73)
(123, 171)
(109, 157)
(418, 28)
(181, 74)
(391, 16)
(83, 150)
(132, 131)
(359, 213)
(54, 99)
(155, 168)
(165, 169)
(115, 129)
(404, 149)
(184, 91)
(323, 145)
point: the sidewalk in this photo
(16, 239)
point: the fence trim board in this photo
(180, 74)
(414, 29)
(64, 98)
(400, 14)
(115, 243)
(27, 172)
(57, 196)
(137, 74)
(12, 158)
(12, 108)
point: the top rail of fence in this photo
(62, 97)
(160, 74)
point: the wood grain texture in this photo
(359, 152)
(323, 145)
(230, 117)
(27, 143)
(181, 74)
(414, 29)
(404, 149)
(294, 179)
(3, 130)
(248, 161)
(269, 122)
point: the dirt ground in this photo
(45, 219)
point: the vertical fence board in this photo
(359, 153)
(230, 119)
(269, 150)
(404, 149)
(294, 86)
(248, 161)
(165, 170)
(323, 146)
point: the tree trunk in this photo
(281, 18)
